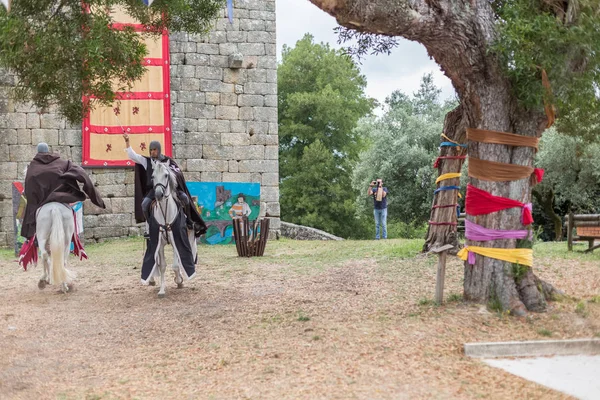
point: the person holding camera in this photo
(379, 194)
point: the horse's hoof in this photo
(70, 287)
(152, 283)
(42, 284)
(161, 295)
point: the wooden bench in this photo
(587, 227)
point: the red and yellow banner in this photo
(144, 112)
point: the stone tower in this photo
(224, 113)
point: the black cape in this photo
(143, 185)
(50, 178)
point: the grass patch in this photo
(544, 332)
(426, 302)
(454, 297)
(581, 309)
(558, 250)
(595, 299)
(494, 304)
(302, 317)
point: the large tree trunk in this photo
(457, 34)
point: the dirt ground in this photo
(310, 320)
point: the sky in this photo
(401, 70)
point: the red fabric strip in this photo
(436, 163)
(539, 174)
(479, 202)
(139, 95)
(128, 129)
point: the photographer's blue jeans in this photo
(380, 222)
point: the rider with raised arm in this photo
(144, 191)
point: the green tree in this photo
(497, 54)
(60, 53)
(571, 180)
(321, 99)
(404, 144)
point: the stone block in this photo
(271, 100)
(258, 166)
(265, 139)
(275, 224)
(251, 100)
(64, 151)
(193, 176)
(219, 126)
(21, 152)
(218, 37)
(186, 124)
(256, 75)
(208, 72)
(235, 76)
(229, 99)
(188, 47)
(33, 121)
(224, 25)
(213, 98)
(110, 178)
(9, 170)
(250, 62)
(252, 25)
(6, 208)
(237, 36)
(191, 97)
(219, 61)
(187, 71)
(248, 152)
(13, 121)
(252, 49)
(235, 139)
(209, 85)
(23, 136)
(214, 152)
(260, 88)
(260, 37)
(189, 151)
(211, 177)
(273, 209)
(267, 62)
(238, 126)
(257, 128)
(69, 137)
(246, 113)
(122, 205)
(233, 166)
(270, 179)
(226, 49)
(105, 232)
(7, 224)
(22, 170)
(177, 110)
(179, 36)
(268, 114)
(199, 111)
(9, 136)
(4, 152)
(270, 26)
(238, 89)
(271, 152)
(271, 49)
(207, 165)
(266, 15)
(271, 75)
(175, 83)
(76, 154)
(206, 48)
(192, 84)
(176, 60)
(203, 138)
(273, 128)
(113, 190)
(236, 177)
(49, 136)
(227, 112)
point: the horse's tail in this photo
(58, 272)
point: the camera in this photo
(373, 183)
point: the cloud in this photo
(401, 70)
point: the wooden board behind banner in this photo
(144, 112)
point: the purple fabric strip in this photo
(478, 233)
(471, 258)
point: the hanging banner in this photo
(144, 113)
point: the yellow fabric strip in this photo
(449, 175)
(520, 256)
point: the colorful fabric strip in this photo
(436, 163)
(479, 202)
(450, 144)
(478, 233)
(510, 139)
(450, 175)
(518, 256)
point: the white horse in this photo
(168, 214)
(54, 230)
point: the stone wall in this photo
(224, 113)
(299, 232)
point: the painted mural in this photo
(220, 202)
